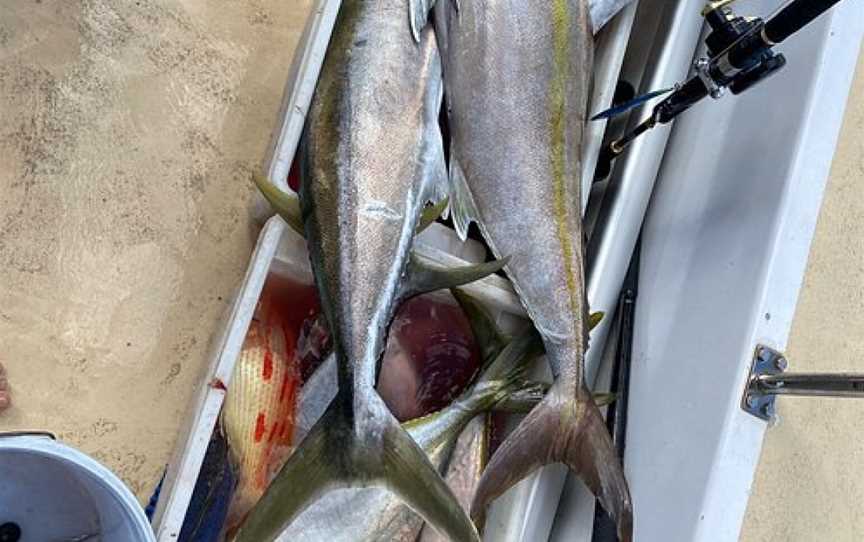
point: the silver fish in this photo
(373, 514)
(517, 76)
(372, 157)
(466, 465)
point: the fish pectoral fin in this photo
(566, 430)
(418, 11)
(594, 319)
(286, 205)
(487, 335)
(432, 213)
(334, 455)
(409, 475)
(462, 205)
(310, 472)
(423, 277)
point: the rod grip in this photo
(794, 17)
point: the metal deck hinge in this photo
(768, 379)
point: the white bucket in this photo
(55, 493)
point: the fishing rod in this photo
(740, 55)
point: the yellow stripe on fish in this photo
(558, 116)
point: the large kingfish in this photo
(372, 157)
(517, 77)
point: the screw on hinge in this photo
(781, 364)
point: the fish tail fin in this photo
(409, 474)
(306, 475)
(568, 430)
(349, 449)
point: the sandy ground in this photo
(128, 132)
(129, 129)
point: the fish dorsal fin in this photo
(531, 393)
(462, 205)
(422, 277)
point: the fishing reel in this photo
(740, 55)
(727, 30)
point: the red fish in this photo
(258, 416)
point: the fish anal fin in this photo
(561, 430)
(423, 277)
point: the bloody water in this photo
(295, 307)
(430, 357)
